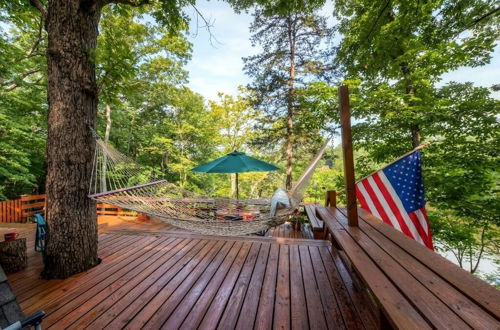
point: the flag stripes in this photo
(378, 196)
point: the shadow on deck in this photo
(155, 276)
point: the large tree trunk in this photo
(290, 104)
(72, 94)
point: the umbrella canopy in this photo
(235, 162)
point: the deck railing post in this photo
(331, 198)
(350, 185)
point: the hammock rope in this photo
(116, 179)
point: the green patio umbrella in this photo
(235, 162)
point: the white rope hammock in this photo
(118, 180)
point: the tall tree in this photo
(72, 29)
(291, 42)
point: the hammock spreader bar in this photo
(111, 192)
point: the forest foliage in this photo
(392, 55)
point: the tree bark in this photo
(290, 104)
(13, 255)
(410, 91)
(232, 177)
(415, 135)
(72, 96)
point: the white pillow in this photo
(279, 200)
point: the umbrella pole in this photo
(237, 189)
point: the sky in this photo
(217, 65)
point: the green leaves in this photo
(22, 100)
(431, 38)
(394, 52)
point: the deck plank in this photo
(153, 315)
(53, 297)
(297, 291)
(233, 307)
(196, 314)
(183, 307)
(246, 319)
(53, 291)
(282, 301)
(331, 308)
(345, 291)
(220, 300)
(86, 312)
(314, 306)
(265, 311)
(98, 286)
(180, 259)
(105, 312)
(32, 288)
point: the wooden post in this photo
(350, 185)
(331, 198)
(237, 188)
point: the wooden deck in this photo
(154, 276)
(414, 287)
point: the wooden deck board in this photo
(282, 300)
(157, 277)
(315, 308)
(298, 311)
(246, 320)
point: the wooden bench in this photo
(414, 288)
(315, 222)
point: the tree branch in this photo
(38, 39)
(24, 75)
(208, 25)
(38, 5)
(481, 251)
(133, 3)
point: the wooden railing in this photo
(19, 210)
(30, 205)
(10, 211)
(109, 209)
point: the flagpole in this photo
(345, 120)
(425, 144)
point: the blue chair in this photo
(41, 232)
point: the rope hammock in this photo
(116, 179)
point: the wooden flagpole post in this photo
(350, 185)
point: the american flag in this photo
(395, 194)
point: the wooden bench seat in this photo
(315, 222)
(414, 287)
